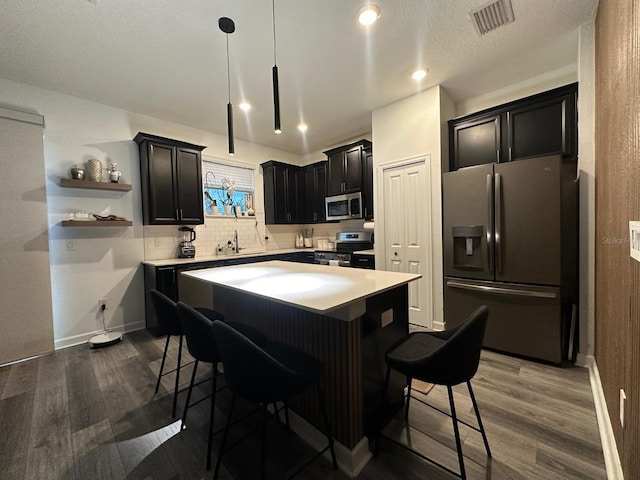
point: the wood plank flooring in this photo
(91, 414)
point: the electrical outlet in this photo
(623, 398)
(102, 303)
(157, 242)
(70, 245)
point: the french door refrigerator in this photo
(510, 242)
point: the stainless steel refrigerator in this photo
(510, 242)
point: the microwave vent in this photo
(491, 16)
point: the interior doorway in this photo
(406, 230)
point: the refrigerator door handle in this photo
(499, 290)
(498, 221)
(490, 210)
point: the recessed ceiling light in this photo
(368, 14)
(303, 127)
(420, 74)
(246, 106)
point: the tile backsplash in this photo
(161, 242)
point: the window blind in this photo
(214, 172)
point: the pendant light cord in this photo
(228, 74)
(273, 13)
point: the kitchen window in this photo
(226, 184)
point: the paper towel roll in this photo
(368, 225)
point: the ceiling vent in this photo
(491, 16)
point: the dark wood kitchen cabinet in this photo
(345, 167)
(171, 178)
(315, 190)
(539, 125)
(280, 192)
(367, 187)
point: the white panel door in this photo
(407, 232)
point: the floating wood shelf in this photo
(96, 223)
(72, 183)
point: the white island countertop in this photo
(338, 292)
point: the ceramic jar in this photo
(94, 170)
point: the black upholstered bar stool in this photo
(203, 347)
(169, 325)
(445, 358)
(267, 374)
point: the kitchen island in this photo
(345, 317)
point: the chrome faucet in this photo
(236, 248)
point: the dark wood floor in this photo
(91, 414)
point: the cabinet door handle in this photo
(498, 155)
(510, 154)
(177, 214)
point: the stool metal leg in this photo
(212, 413)
(406, 410)
(186, 404)
(475, 407)
(456, 431)
(164, 357)
(175, 389)
(224, 437)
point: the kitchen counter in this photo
(213, 258)
(345, 317)
(334, 291)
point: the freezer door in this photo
(527, 221)
(523, 319)
(467, 211)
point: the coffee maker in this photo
(186, 248)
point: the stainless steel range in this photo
(346, 244)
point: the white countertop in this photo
(335, 291)
(213, 258)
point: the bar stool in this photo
(169, 324)
(445, 358)
(267, 374)
(203, 348)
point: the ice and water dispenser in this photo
(467, 243)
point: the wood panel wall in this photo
(617, 323)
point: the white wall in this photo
(106, 261)
(410, 128)
(587, 172)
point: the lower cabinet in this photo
(167, 280)
(363, 261)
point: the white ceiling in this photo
(166, 58)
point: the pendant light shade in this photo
(276, 86)
(228, 26)
(276, 101)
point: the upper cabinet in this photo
(345, 167)
(280, 192)
(543, 124)
(315, 190)
(367, 187)
(171, 178)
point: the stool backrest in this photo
(197, 330)
(249, 371)
(457, 360)
(166, 312)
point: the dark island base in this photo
(352, 353)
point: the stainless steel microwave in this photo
(344, 207)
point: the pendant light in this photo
(228, 26)
(274, 70)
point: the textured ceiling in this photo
(166, 58)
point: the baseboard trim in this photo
(84, 337)
(609, 447)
